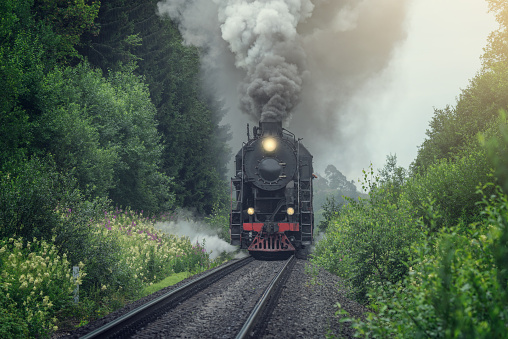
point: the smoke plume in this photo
(263, 38)
(307, 63)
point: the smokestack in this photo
(272, 128)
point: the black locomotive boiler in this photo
(271, 200)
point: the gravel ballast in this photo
(306, 308)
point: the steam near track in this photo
(185, 224)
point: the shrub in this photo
(104, 130)
(219, 220)
(28, 198)
(369, 242)
(11, 323)
(457, 289)
(495, 141)
(130, 252)
(36, 282)
(451, 185)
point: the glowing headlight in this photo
(291, 211)
(250, 211)
(269, 144)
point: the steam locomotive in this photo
(271, 194)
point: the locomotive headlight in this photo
(269, 144)
(291, 211)
(250, 211)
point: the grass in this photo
(169, 281)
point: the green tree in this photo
(195, 151)
(453, 129)
(392, 176)
(331, 210)
(497, 49)
(67, 20)
(368, 242)
(338, 181)
(34, 37)
(104, 131)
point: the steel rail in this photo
(259, 309)
(116, 326)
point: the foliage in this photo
(451, 184)
(457, 278)
(458, 288)
(497, 50)
(337, 180)
(495, 142)
(453, 130)
(37, 281)
(145, 254)
(28, 199)
(68, 20)
(368, 243)
(218, 220)
(391, 175)
(72, 138)
(194, 145)
(104, 131)
(21, 66)
(11, 322)
(125, 253)
(35, 36)
(44, 109)
(330, 192)
(331, 210)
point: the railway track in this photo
(255, 324)
(169, 314)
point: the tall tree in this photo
(35, 35)
(104, 131)
(338, 181)
(497, 49)
(195, 151)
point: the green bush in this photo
(369, 241)
(12, 324)
(458, 289)
(37, 282)
(28, 199)
(495, 141)
(219, 220)
(452, 186)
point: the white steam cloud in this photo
(185, 224)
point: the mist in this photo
(349, 46)
(308, 63)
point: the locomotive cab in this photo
(272, 193)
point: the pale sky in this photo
(441, 53)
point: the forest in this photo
(426, 251)
(105, 132)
